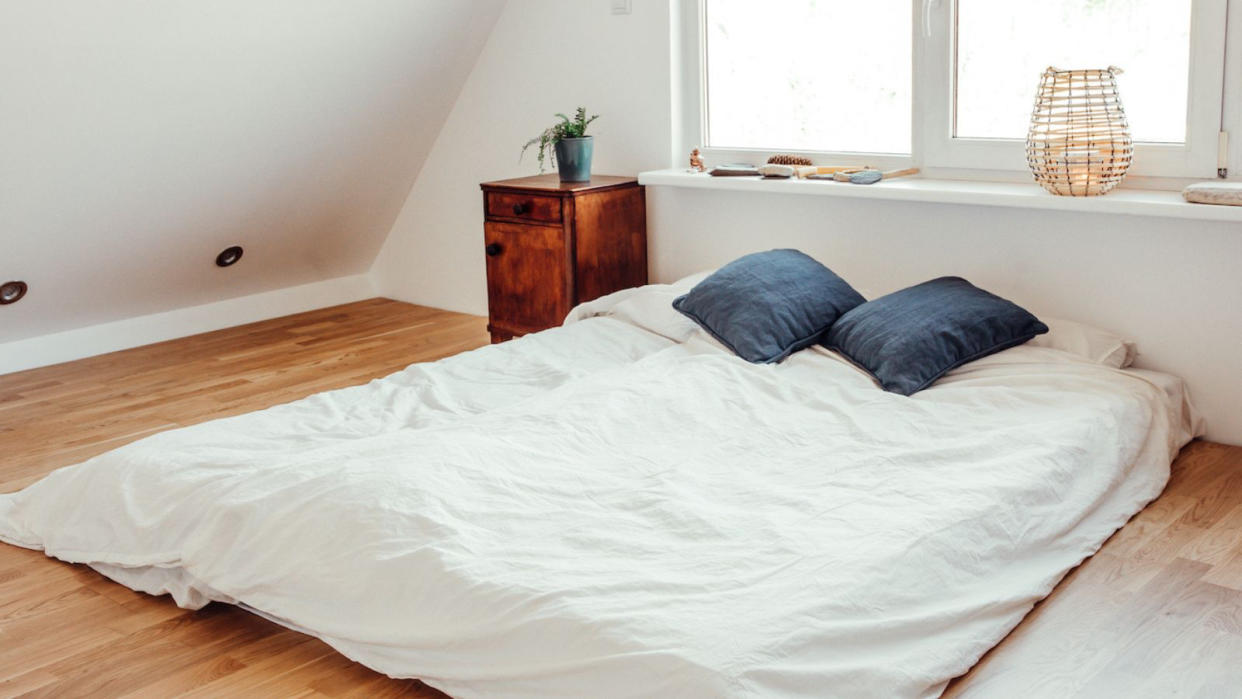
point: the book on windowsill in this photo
(735, 170)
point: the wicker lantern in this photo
(1079, 144)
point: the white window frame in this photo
(935, 96)
(934, 147)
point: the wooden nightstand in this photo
(551, 246)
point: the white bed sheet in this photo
(620, 507)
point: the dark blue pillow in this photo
(910, 338)
(768, 305)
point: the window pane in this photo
(807, 75)
(1003, 47)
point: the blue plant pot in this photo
(573, 158)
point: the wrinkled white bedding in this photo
(619, 507)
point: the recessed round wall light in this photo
(12, 292)
(229, 256)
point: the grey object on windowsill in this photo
(772, 171)
(1219, 193)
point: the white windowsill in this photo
(1026, 196)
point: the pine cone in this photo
(782, 159)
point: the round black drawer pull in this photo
(493, 249)
(519, 209)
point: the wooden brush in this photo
(809, 170)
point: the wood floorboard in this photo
(1158, 612)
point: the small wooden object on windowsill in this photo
(1079, 143)
(696, 161)
(551, 245)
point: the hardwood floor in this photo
(1158, 612)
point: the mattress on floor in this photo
(620, 507)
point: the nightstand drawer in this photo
(524, 207)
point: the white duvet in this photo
(619, 507)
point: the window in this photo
(996, 41)
(949, 84)
(771, 80)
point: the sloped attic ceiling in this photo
(138, 138)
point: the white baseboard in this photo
(158, 327)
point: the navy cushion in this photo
(910, 338)
(767, 305)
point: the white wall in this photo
(544, 56)
(1170, 284)
(138, 138)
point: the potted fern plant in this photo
(568, 146)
